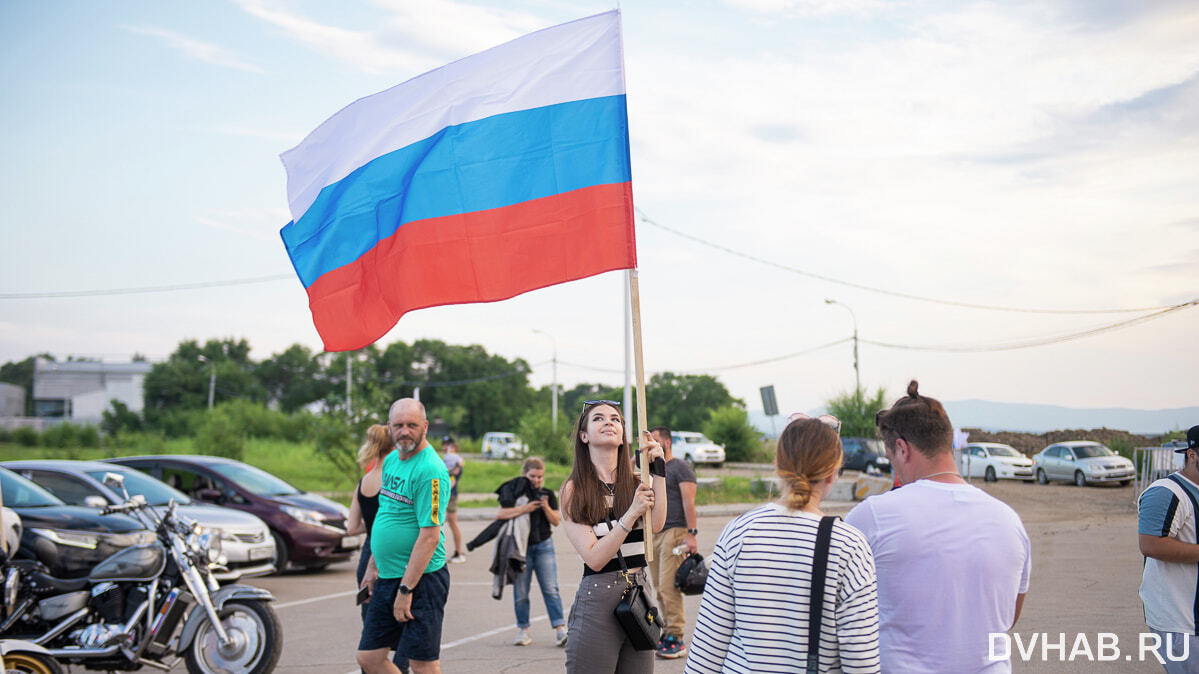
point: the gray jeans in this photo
(597, 643)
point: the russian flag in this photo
(497, 174)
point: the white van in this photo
(695, 448)
(498, 445)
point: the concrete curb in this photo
(714, 510)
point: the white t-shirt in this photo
(951, 560)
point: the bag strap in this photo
(624, 568)
(824, 535)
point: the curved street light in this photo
(856, 375)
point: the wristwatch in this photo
(404, 589)
(693, 532)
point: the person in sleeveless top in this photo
(602, 508)
(365, 503)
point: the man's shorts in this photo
(452, 506)
(418, 639)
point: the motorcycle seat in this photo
(40, 580)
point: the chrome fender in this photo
(21, 646)
(198, 615)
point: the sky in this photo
(1039, 155)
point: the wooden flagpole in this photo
(642, 423)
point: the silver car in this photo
(1082, 462)
(246, 541)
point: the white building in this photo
(82, 390)
(12, 400)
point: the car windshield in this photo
(22, 493)
(1003, 450)
(1091, 451)
(694, 439)
(254, 480)
(137, 482)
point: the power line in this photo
(146, 289)
(794, 270)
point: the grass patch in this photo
(730, 489)
(485, 476)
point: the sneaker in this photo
(522, 638)
(560, 636)
(458, 558)
(671, 648)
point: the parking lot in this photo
(1086, 571)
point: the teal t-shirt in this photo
(414, 494)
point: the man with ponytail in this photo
(953, 562)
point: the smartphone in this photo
(364, 593)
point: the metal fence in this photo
(1154, 463)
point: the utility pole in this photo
(554, 385)
(349, 383)
(211, 380)
(856, 375)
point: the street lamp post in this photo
(211, 380)
(856, 375)
(554, 385)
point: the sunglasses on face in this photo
(826, 419)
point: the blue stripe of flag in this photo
(490, 163)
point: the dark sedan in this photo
(69, 540)
(866, 455)
(309, 529)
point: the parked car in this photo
(309, 530)
(694, 448)
(68, 540)
(994, 461)
(497, 445)
(246, 540)
(865, 454)
(1083, 461)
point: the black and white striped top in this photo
(754, 613)
(633, 547)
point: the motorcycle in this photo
(125, 614)
(17, 656)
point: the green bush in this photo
(61, 436)
(221, 436)
(89, 436)
(536, 428)
(180, 423)
(5, 434)
(729, 426)
(26, 436)
(337, 442)
(118, 418)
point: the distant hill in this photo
(1026, 418)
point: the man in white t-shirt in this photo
(953, 562)
(1166, 513)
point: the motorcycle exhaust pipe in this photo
(61, 627)
(83, 652)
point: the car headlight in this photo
(131, 538)
(305, 516)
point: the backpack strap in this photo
(824, 536)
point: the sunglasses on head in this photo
(826, 419)
(593, 403)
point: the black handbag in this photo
(692, 575)
(637, 616)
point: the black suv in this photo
(864, 454)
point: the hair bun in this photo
(912, 387)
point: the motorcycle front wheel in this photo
(255, 641)
(30, 663)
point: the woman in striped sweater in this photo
(754, 616)
(602, 508)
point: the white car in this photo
(694, 448)
(497, 445)
(994, 461)
(1083, 462)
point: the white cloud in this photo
(196, 49)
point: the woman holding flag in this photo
(602, 485)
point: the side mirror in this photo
(114, 480)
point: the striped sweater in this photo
(754, 613)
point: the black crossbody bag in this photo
(637, 616)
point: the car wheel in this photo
(1080, 479)
(718, 464)
(990, 476)
(1125, 483)
(280, 552)
(1042, 478)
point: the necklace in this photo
(610, 487)
(944, 472)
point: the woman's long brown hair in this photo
(586, 504)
